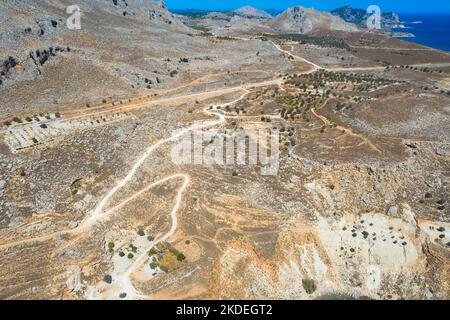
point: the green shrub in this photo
(108, 279)
(141, 232)
(181, 257)
(309, 285)
(130, 256)
(133, 248)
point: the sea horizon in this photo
(429, 29)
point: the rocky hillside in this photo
(252, 12)
(303, 20)
(43, 64)
(359, 17)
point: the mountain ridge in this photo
(359, 17)
(302, 20)
(249, 11)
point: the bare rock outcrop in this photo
(302, 20)
(251, 12)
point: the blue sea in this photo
(432, 30)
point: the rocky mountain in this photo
(303, 20)
(359, 17)
(251, 12)
(115, 47)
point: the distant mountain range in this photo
(304, 20)
(389, 20)
(359, 17)
(200, 12)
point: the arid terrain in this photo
(92, 205)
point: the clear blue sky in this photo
(401, 6)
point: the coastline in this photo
(429, 30)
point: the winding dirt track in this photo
(125, 285)
(99, 212)
(123, 280)
(346, 130)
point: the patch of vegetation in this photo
(111, 246)
(75, 187)
(200, 28)
(166, 257)
(169, 262)
(108, 279)
(309, 286)
(132, 248)
(226, 38)
(324, 42)
(153, 251)
(194, 14)
(8, 64)
(180, 256)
